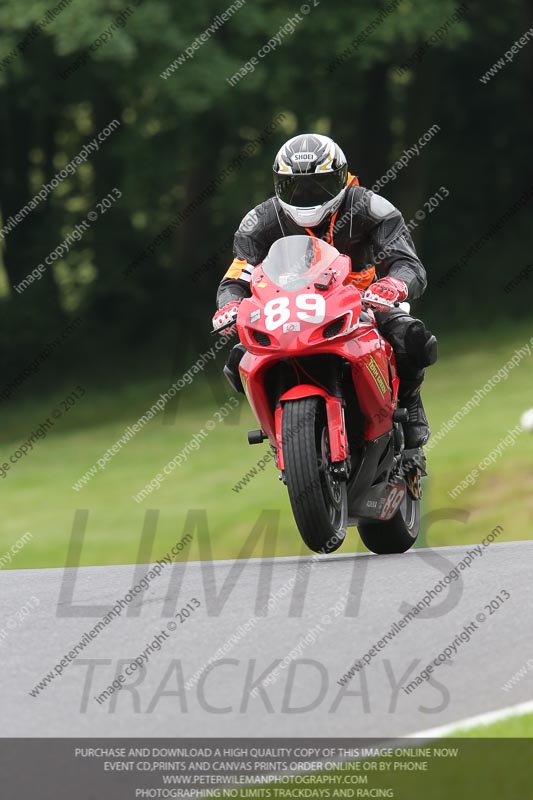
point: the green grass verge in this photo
(37, 494)
(473, 763)
(520, 727)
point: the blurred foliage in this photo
(178, 133)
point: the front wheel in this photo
(395, 535)
(317, 494)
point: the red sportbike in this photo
(322, 383)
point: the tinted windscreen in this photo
(295, 261)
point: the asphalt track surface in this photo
(362, 596)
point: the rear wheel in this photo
(396, 535)
(317, 494)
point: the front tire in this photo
(318, 497)
(396, 535)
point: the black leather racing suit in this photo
(371, 231)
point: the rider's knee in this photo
(421, 344)
(409, 337)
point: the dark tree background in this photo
(179, 135)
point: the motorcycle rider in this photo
(315, 194)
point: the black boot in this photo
(416, 429)
(231, 370)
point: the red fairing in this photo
(337, 434)
(275, 325)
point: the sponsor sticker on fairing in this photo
(291, 327)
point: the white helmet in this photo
(310, 173)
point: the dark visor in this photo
(307, 191)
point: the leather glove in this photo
(225, 315)
(383, 293)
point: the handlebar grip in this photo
(384, 302)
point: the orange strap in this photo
(363, 279)
(352, 180)
(235, 269)
(329, 233)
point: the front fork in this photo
(338, 441)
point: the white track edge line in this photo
(473, 722)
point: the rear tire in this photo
(396, 535)
(318, 497)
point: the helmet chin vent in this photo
(311, 217)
